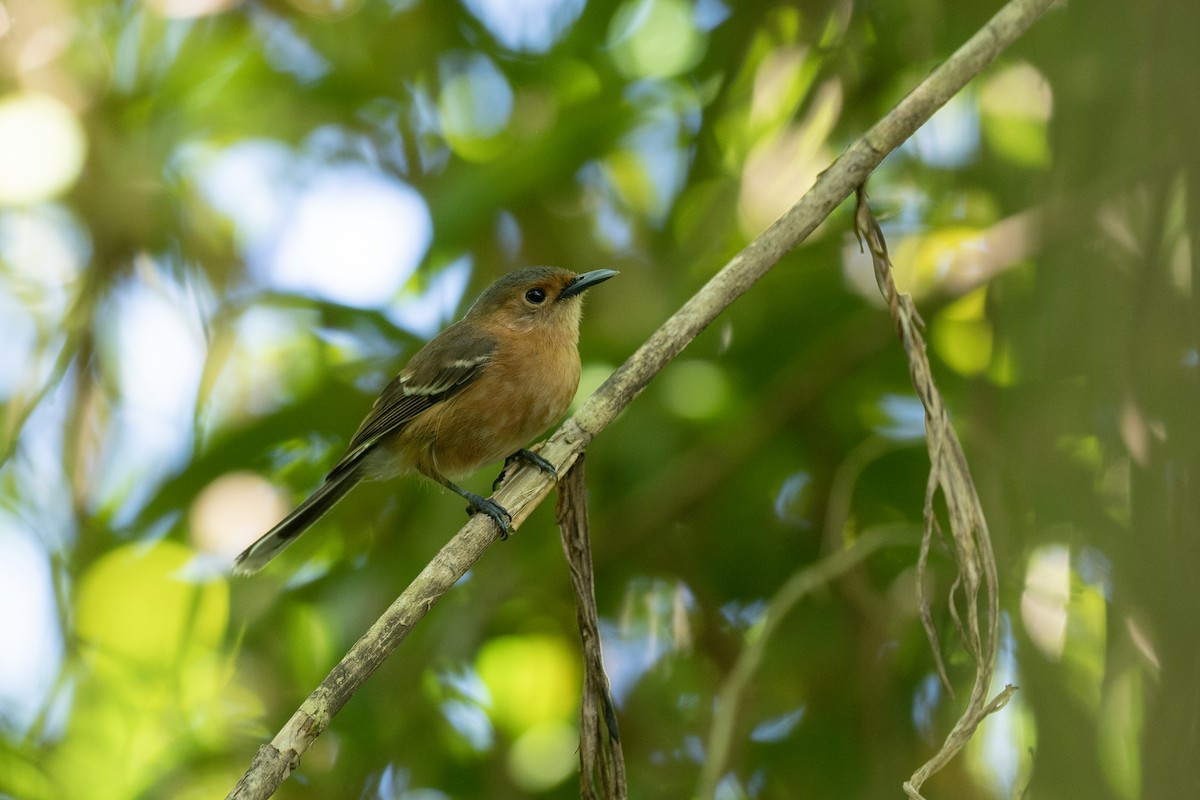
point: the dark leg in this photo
(486, 505)
(524, 455)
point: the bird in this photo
(476, 393)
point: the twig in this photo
(276, 760)
(801, 584)
(949, 474)
(528, 487)
(600, 757)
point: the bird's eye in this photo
(536, 296)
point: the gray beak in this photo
(586, 281)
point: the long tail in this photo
(256, 556)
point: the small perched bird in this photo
(476, 393)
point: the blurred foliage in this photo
(225, 223)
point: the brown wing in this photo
(448, 364)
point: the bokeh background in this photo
(225, 223)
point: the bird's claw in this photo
(530, 457)
(499, 515)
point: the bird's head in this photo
(537, 297)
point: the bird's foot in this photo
(486, 505)
(528, 456)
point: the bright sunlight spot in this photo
(353, 236)
(951, 137)
(32, 651)
(341, 231)
(544, 756)
(655, 38)
(475, 106)
(695, 389)
(1016, 104)
(531, 26)
(135, 583)
(532, 680)
(1044, 601)
(155, 327)
(962, 335)
(784, 165)
(186, 9)
(42, 148)
(233, 511)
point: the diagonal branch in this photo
(528, 487)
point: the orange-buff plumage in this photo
(476, 393)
